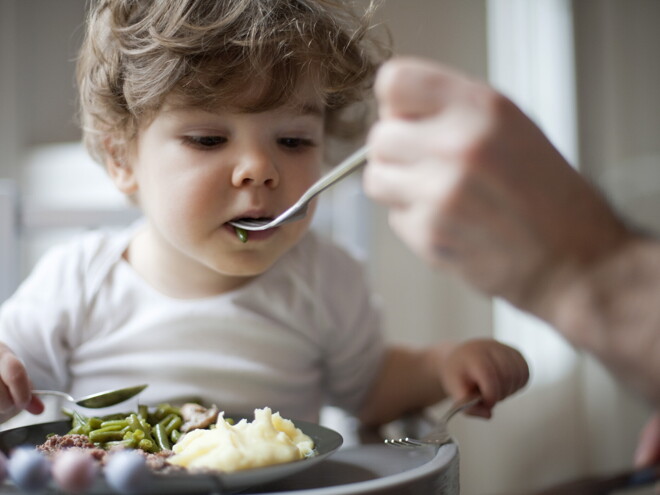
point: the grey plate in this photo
(326, 441)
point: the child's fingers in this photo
(493, 371)
(480, 410)
(35, 405)
(515, 372)
(6, 402)
(476, 379)
(511, 372)
(15, 390)
(648, 447)
(489, 381)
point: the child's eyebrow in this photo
(312, 109)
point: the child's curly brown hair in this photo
(208, 52)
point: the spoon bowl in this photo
(98, 400)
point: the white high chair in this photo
(61, 192)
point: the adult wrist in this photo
(611, 309)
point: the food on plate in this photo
(126, 472)
(269, 439)
(151, 431)
(197, 416)
(74, 471)
(191, 437)
(29, 470)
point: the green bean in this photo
(102, 436)
(145, 425)
(171, 423)
(117, 424)
(138, 435)
(134, 422)
(242, 234)
(80, 424)
(163, 410)
(148, 445)
(130, 444)
(94, 423)
(167, 419)
(78, 419)
(143, 412)
(150, 431)
(130, 440)
(161, 437)
(113, 417)
(175, 435)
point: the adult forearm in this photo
(612, 310)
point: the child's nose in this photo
(255, 168)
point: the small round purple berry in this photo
(127, 472)
(74, 471)
(28, 469)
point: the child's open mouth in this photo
(244, 234)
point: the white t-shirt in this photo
(304, 334)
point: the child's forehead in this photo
(302, 108)
(303, 100)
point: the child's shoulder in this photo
(93, 246)
(77, 266)
(84, 255)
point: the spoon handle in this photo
(55, 393)
(346, 167)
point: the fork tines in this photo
(405, 442)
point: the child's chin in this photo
(248, 270)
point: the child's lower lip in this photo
(252, 235)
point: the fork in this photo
(299, 209)
(440, 435)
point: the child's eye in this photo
(205, 141)
(294, 143)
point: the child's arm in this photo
(413, 379)
(15, 387)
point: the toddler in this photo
(204, 112)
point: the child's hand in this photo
(648, 447)
(485, 367)
(15, 387)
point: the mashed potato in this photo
(269, 439)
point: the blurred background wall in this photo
(573, 419)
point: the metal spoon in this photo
(299, 209)
(95, 401)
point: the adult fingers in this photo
(413, 88)
(407, 164)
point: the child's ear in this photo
(120, 170)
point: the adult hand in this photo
(474, 186)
